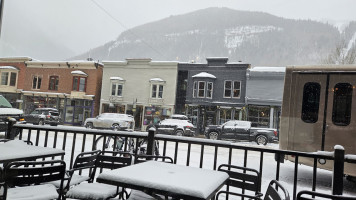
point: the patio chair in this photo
(94, 191)
(23, 179)
(275, 191)
(137, 194)
(310, 195)
(243, 178)
(85, 161)
(144, 158)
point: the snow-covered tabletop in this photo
(16, 150)
(171, 179)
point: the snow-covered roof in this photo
(203, 75)
(116, 78)
(157, 79)
(8, 67)
(78, 72)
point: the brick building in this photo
(12, 76)
(72, 87)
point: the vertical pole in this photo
(10, 124)
(338, 171)
(150, 141)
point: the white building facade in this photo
(143, 88)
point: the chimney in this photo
(217, 61)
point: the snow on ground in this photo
(304, 179)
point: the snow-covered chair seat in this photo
(84, 162)
(39, 192)
(98, 191)
(93, 191)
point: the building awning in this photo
(78, 72)
(204, 75)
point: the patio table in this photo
(17, 150)
(177, 181)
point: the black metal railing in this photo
(197, 152)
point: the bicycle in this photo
(124, 144)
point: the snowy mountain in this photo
(253, 37)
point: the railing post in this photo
(338, 171)
(150, 141)
(10, 124)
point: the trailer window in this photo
(311, 100)
(342, 104)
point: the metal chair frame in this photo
(26, 173)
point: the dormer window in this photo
(157, 85)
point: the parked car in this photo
(177, 116)
(114, 121)
(177, 127)
(241, 130)
(7, 113)
(43, 116)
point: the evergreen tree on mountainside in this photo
(253, 37)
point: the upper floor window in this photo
(13, 76)
(232, 89)
(195, 89)
(157, 88)
(201, 89)
(4, 78)
(117, 85)
(157, 91)
(209, 90)
(79, 83)
(53, 83)
(116, 89)
(36, 82)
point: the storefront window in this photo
(154, 114)
(225, 115)
(259, 116)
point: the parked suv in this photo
(177, 127)
(114, 121)
(7, 112)
(43, 116)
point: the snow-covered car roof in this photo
(117, 115)
(177, 116)
(176, 122)
(240, 123)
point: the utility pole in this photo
(1, 13)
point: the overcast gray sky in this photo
(85, 24)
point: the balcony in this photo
(204, 153)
